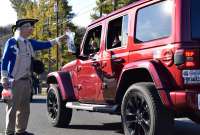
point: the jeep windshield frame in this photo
(195, 19)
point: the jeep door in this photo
(114, 57)
(89, 78)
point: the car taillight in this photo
(190, 58)
(186, 58)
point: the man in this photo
(16, 64)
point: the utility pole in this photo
(49, 51)
(57, 33)
(114, 2)
(47, 3)
(101, 8)
(62, 48)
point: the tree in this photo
(19, 6)
(79, 35)
(107, 6)
(5, 33)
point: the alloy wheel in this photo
(137, 115)
(52, 105)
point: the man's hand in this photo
(5, 83)
(60, 39)
(63, 38)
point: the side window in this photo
(92, 42)
(125, 31)
(154, 22)
(117, 32)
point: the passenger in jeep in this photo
(116, 42)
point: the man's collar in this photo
(18, 37)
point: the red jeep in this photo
(141, 62)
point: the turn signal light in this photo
(190, 58)
(186, 58)
(189, 53)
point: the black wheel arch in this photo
(128, 79)
(143, 74)
(64, 83)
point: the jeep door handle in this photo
(118, 60)
(78, 68)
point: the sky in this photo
(7, 13)
(81, 8)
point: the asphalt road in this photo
(86, 123)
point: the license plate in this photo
(191, 76)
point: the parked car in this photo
(149, 78)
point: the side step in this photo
(92, 107)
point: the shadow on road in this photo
(186, 128)
(117, 127)
(181, 127)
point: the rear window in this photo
(195, 19)
(154, 21)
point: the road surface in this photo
(86, 123)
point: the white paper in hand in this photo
(70, 42)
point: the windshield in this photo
(195, 19)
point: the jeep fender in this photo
(63, 79)
(156, 71)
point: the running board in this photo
(92, 107)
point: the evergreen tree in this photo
(20, 6)
(107, 6)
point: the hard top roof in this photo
(119, 10)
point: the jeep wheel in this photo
(143, 113)
(58, 114)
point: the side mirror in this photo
(78, 56)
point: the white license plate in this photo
(191, 76)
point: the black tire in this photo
(143, 112)
(58, 114)
(195, 117)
